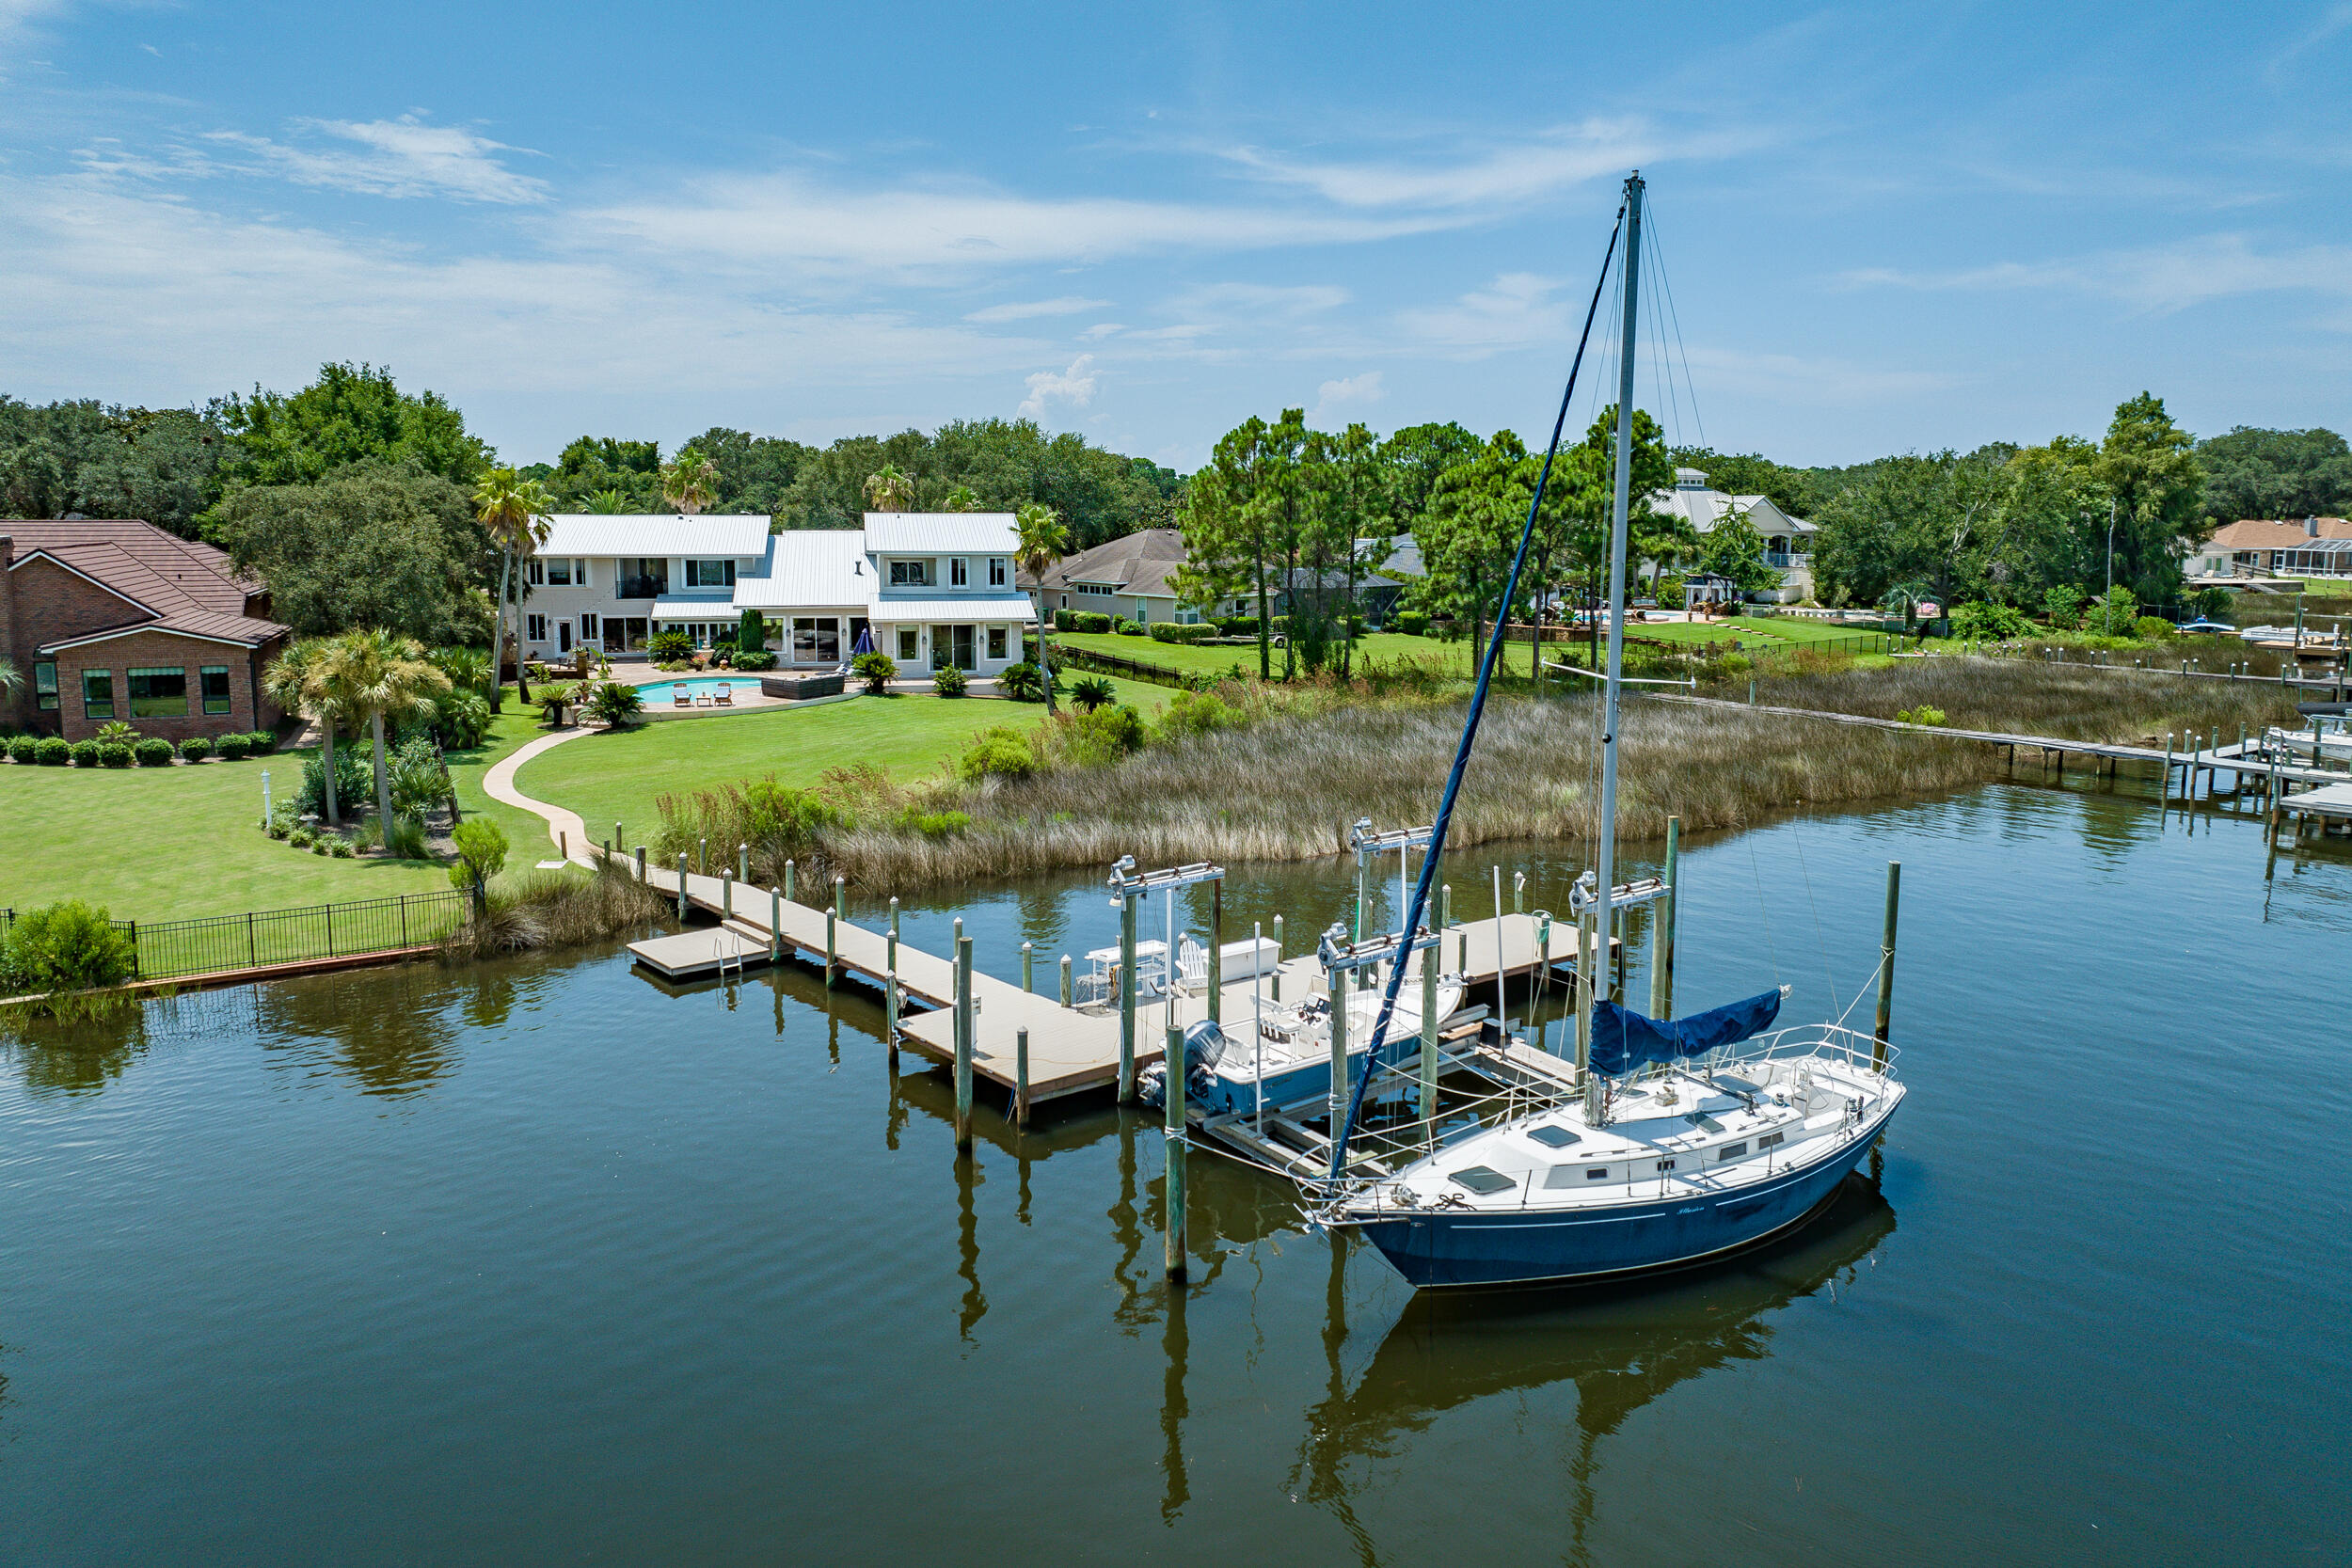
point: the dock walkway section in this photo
(1070, 1048)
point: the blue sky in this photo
(1886, 229)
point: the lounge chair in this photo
(680, 697)
(726, 696)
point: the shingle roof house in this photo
(114, 618)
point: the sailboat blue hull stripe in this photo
(1456, 1247)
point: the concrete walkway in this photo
(499, 784)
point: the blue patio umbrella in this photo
(865, 644)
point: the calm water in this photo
(537, 1263)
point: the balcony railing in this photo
(640, 588)
(1782, 560)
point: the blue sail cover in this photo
(1623, 1040)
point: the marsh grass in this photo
(1283, 788)
(556, 910)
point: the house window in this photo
(711, 573)
(909, 573)
(960, 572)
(558, 572)
(816, 640)
(98, 693)
(642, 578)
(214, 679)
(591, 628)
(535, 572)
(535, 628)
(995, 642)
(159, 693)
(580, 574)
(910, 644)
(45, 686)
(997, 571)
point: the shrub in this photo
(1091, 691)
(751, 633)
(1242, 626)
(283, 821)
(876, 670)
(232, 748)
(1923, 714)
(196, 748)
(414, 775)
(66, 947)
(339, 847)
(1199, 713)
(1003, 753)
(113, 754)
(1093, 620)
(1024, 682)
(1064, 621)
(1412, 622)
(755, 660)
(300, 836)
(1127, 629)
(1986, 622)
(613, 704)
(951, 680)
(53, 751)
(2064, 607)
(1104, 735)
(934, 823)
(1166, 631)
(325, 843)
(85, 754)
(355, 782)
(24, 748)
(481, 851)
(463, 716)
(2153, 628)
(1737, 664)
(668, 645)
(115, 733)
(263, 742)
(152, 753)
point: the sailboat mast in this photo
(1620, 507)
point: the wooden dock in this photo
(1070, 1049)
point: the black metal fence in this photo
(178, 949)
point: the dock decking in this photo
(1070, 1049)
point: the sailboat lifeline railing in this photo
(1415, 914)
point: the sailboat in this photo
(1692, 1138)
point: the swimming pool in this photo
(664, 693)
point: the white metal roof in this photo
(920, 532)
(657, 533)
(718, 609)
(808, 568)
(1013, 606)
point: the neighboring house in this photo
(935, 588)
(1787, 540)
(116, 619)
(2267, 547)
(1134, 578)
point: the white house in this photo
(1787, 540)
(935, 588)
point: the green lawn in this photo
(616, 777)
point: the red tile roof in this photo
(168, 584)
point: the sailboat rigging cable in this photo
(1415, 912)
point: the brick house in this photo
(109, 619)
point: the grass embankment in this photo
(1282, 788)
(618, 776)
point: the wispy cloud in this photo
(1074, 387)
(403, 157)
(1496, 176)
(1349, 392)
(2162, 278)
(1069, 304)
(917, 233)
(1516, 309)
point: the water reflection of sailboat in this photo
(1621, 1345)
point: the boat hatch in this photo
(1704, 1122)
(1551, 1136)
(1483, 1180)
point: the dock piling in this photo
(963, 1043)
(1126, 998)
(641, 866)
(1518, 892)
(775, 925)
(893, 938)
(726, 893)
(619, 838)
(742, 863)
(1662, 963)
(788, 896)
(1886, 963)
(1027, 952)
(832, 946)
(681, 884)
(1274, 988)
(890, 1015)
(1217, 953)
(702, 857)
(1173, 1054)
(1065, 980)
(1021, 1079)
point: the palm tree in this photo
(888, 489)
(11, 681)
(1039, 540)
(381, 675)
(961, 499)
(514, 510)
(610, 503)
(690, 481)
(296, 682)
